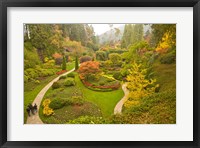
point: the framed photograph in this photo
(104, 73)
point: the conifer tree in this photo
(64, 66)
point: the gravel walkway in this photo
(118, 107)
(35, 119)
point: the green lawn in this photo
(105, 100)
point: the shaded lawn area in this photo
(105, 100)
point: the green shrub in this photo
(85, 59)
(64, 66)
(102, 83)
(101, 56)
(110, 80)
(168, 58)
(88, 120)
(55, 85)
(25, 78)
(115, 58)
(91, 77)
(72, 74)
(37, 81)
(62, 77)
(57, 103)
(77, 100)
(70, 82)
(76, 63)
(117, 75)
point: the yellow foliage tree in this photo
(166, 43)
(138, 85)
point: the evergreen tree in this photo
(64, 66)
(76, 63)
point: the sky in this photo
(101, 28)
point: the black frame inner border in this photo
(4, 4)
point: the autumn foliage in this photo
(138, 85)
(87, 68)
(56, 55)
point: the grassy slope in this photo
(159, 107)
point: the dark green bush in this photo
(72, 74)
(64, 66)
(55, 85)
(168, 58)
(117, 75)
(77, 100)
(102, 83)
(57, 103)
(85, 59)
(25, 78)
(101, 56)
(91, 77)
(70, 82)
(62, 77)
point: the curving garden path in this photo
(35, 119)
(118, 107)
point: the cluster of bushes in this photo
(31, 57)
(101, 86)
(58, 103)
(85, 59)
(35, 73)
(115, 59)
(72, 75)
(117, 75)
(101, 56)
(56, 85)
(69, 82)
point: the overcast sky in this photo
(101, 28)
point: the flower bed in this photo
(100, 88)
(61, 72)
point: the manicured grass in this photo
(31, 89)
(105, 100)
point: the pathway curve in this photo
(118, 107)
(35, 119)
